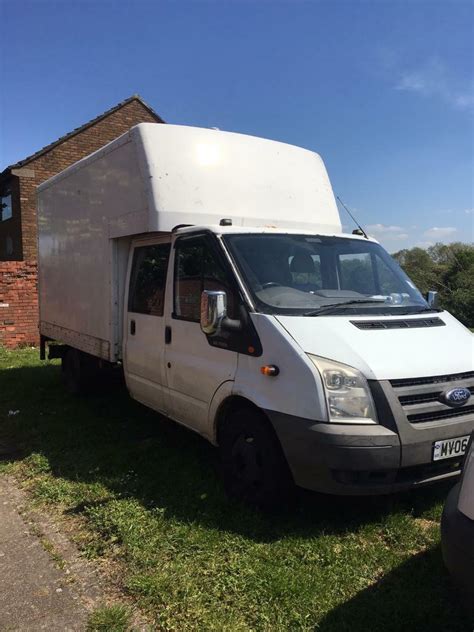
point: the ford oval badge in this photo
(456, 396)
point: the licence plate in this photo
(449, 448)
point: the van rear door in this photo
(144, 322)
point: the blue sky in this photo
(382, 90)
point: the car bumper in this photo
(361, 459)
(457, 541)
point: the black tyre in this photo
(75, 372)
(254, 468)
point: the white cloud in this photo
(463, 101)
(379, 229)
(424, 244)
(434, 79)
(387, 233)
(439, 233)
(390, 236)
(454, 211)
(413, 81)
(394, 237)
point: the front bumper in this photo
(394, 454)
(363, 459)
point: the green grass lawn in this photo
(148, 496)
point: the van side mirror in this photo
(213, 310)
(432, 298)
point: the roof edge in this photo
(78, 130)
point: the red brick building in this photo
(18, 230)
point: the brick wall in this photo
(18, 303)
(65, 154)
(23, 301)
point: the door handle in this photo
(132, 327)
(167, 335)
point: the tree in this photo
(447, 268)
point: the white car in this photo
(457, 530)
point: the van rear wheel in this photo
(71, 371)
(254, 468)
(78, 371)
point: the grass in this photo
(49, 547)
(148, 496)
(109, 619)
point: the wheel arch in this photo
(225, 401)
(230, 403)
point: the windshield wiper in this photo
(329, 308)
(419, 311)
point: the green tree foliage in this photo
(447, 268)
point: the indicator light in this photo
(270, 370)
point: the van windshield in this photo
(315, 275)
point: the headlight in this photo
(347, 392)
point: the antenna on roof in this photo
(359, 230)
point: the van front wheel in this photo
(254, 468)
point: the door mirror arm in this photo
(231, 324)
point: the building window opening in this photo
(5, 206)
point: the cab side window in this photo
(148, 279)
(198, 268)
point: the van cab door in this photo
(144, 322)
(195, 368)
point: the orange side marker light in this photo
(271, 370)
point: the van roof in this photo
(192, 175)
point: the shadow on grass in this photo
(408, 598)
(134, 452)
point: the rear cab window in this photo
(148, 279)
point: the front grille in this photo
(421, 398)
(437, 379)
(405, 323)
(406, 400)
(449, 413)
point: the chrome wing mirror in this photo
(213, 310)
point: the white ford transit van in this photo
(213, 267)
